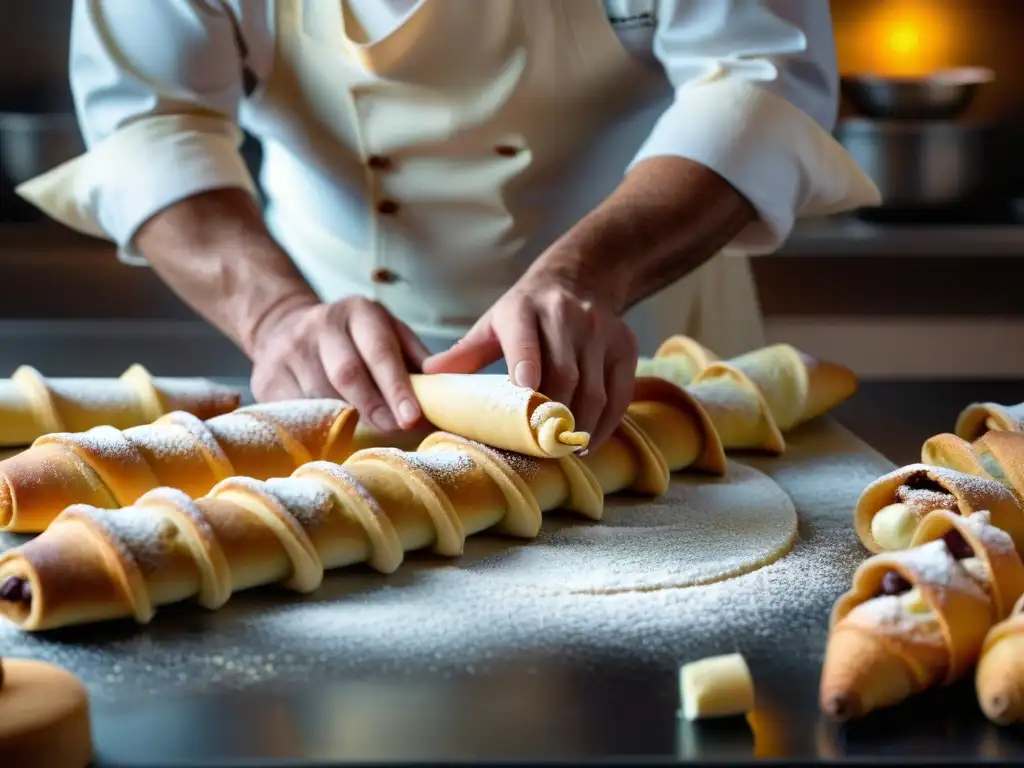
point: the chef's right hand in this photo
(353, 349)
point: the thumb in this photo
(477, 349)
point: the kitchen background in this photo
(918, 292)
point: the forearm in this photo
(214, 251)
(667, 217)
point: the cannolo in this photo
(109, 468)
(890, 509)
(795, 386)
(999, 681)
(996, 455)
(32, 405)
(917, 618)
(94, 564)
(679, 359)
(978, 418)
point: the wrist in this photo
(259, 328)
(586, 273)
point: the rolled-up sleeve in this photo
(157, 89)
(756, 95)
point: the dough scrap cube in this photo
(718, 686)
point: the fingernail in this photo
(380, 417)
(407, 412)
(527, 375)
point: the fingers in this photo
(313, 379)
(351, 379)
(373, 335)
(561, 368)
(477, 349)
(515, 326)
(412, 348)
(620, 373)
(588, 401)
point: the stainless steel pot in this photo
(919, 164)
(940, 95)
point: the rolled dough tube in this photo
(795, 386)
(110, 468)
(679, 359)
(978, 418)
(491, 409)
(94, 564)
(917, 618)
(890, 509)
(996, 455)
(32, 405)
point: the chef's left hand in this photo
(561, 338)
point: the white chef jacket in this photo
(136, 59)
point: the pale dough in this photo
(718, 686)
(703, 530)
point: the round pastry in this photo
(44, 716)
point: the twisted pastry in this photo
(890, 509)
(94, 564)
(999, 681)
(795, 386)
(109, 468)
(496, 412)
(996, 455)
(32, 405)
(917, 618)
(755, 397)
(679, 359)
(978, 418)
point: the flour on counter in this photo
(447, 616)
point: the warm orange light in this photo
(904, 39)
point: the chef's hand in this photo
(353, 349)
(559, 338)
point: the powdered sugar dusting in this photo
(444, 466)
(107, 395)
(450, 616)
(142, 534)
(307, 500)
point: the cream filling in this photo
(893, 527)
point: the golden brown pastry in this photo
(917, 618)
(93, 564)
(110, 468)
(795, 386)
(679, 359)
(999, 681)
(493, 410)
(44, 717)
(890, 509)
(32, 405)
(978, 418)
(996, 455)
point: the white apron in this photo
(460, 125)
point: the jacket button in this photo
(382, 275)
(506, 150)
(387, 207)
(379, 163)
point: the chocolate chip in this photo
(16, 590)
(957, 545)
(894, 584)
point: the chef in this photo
(555, 183)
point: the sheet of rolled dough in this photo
(703, 530)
